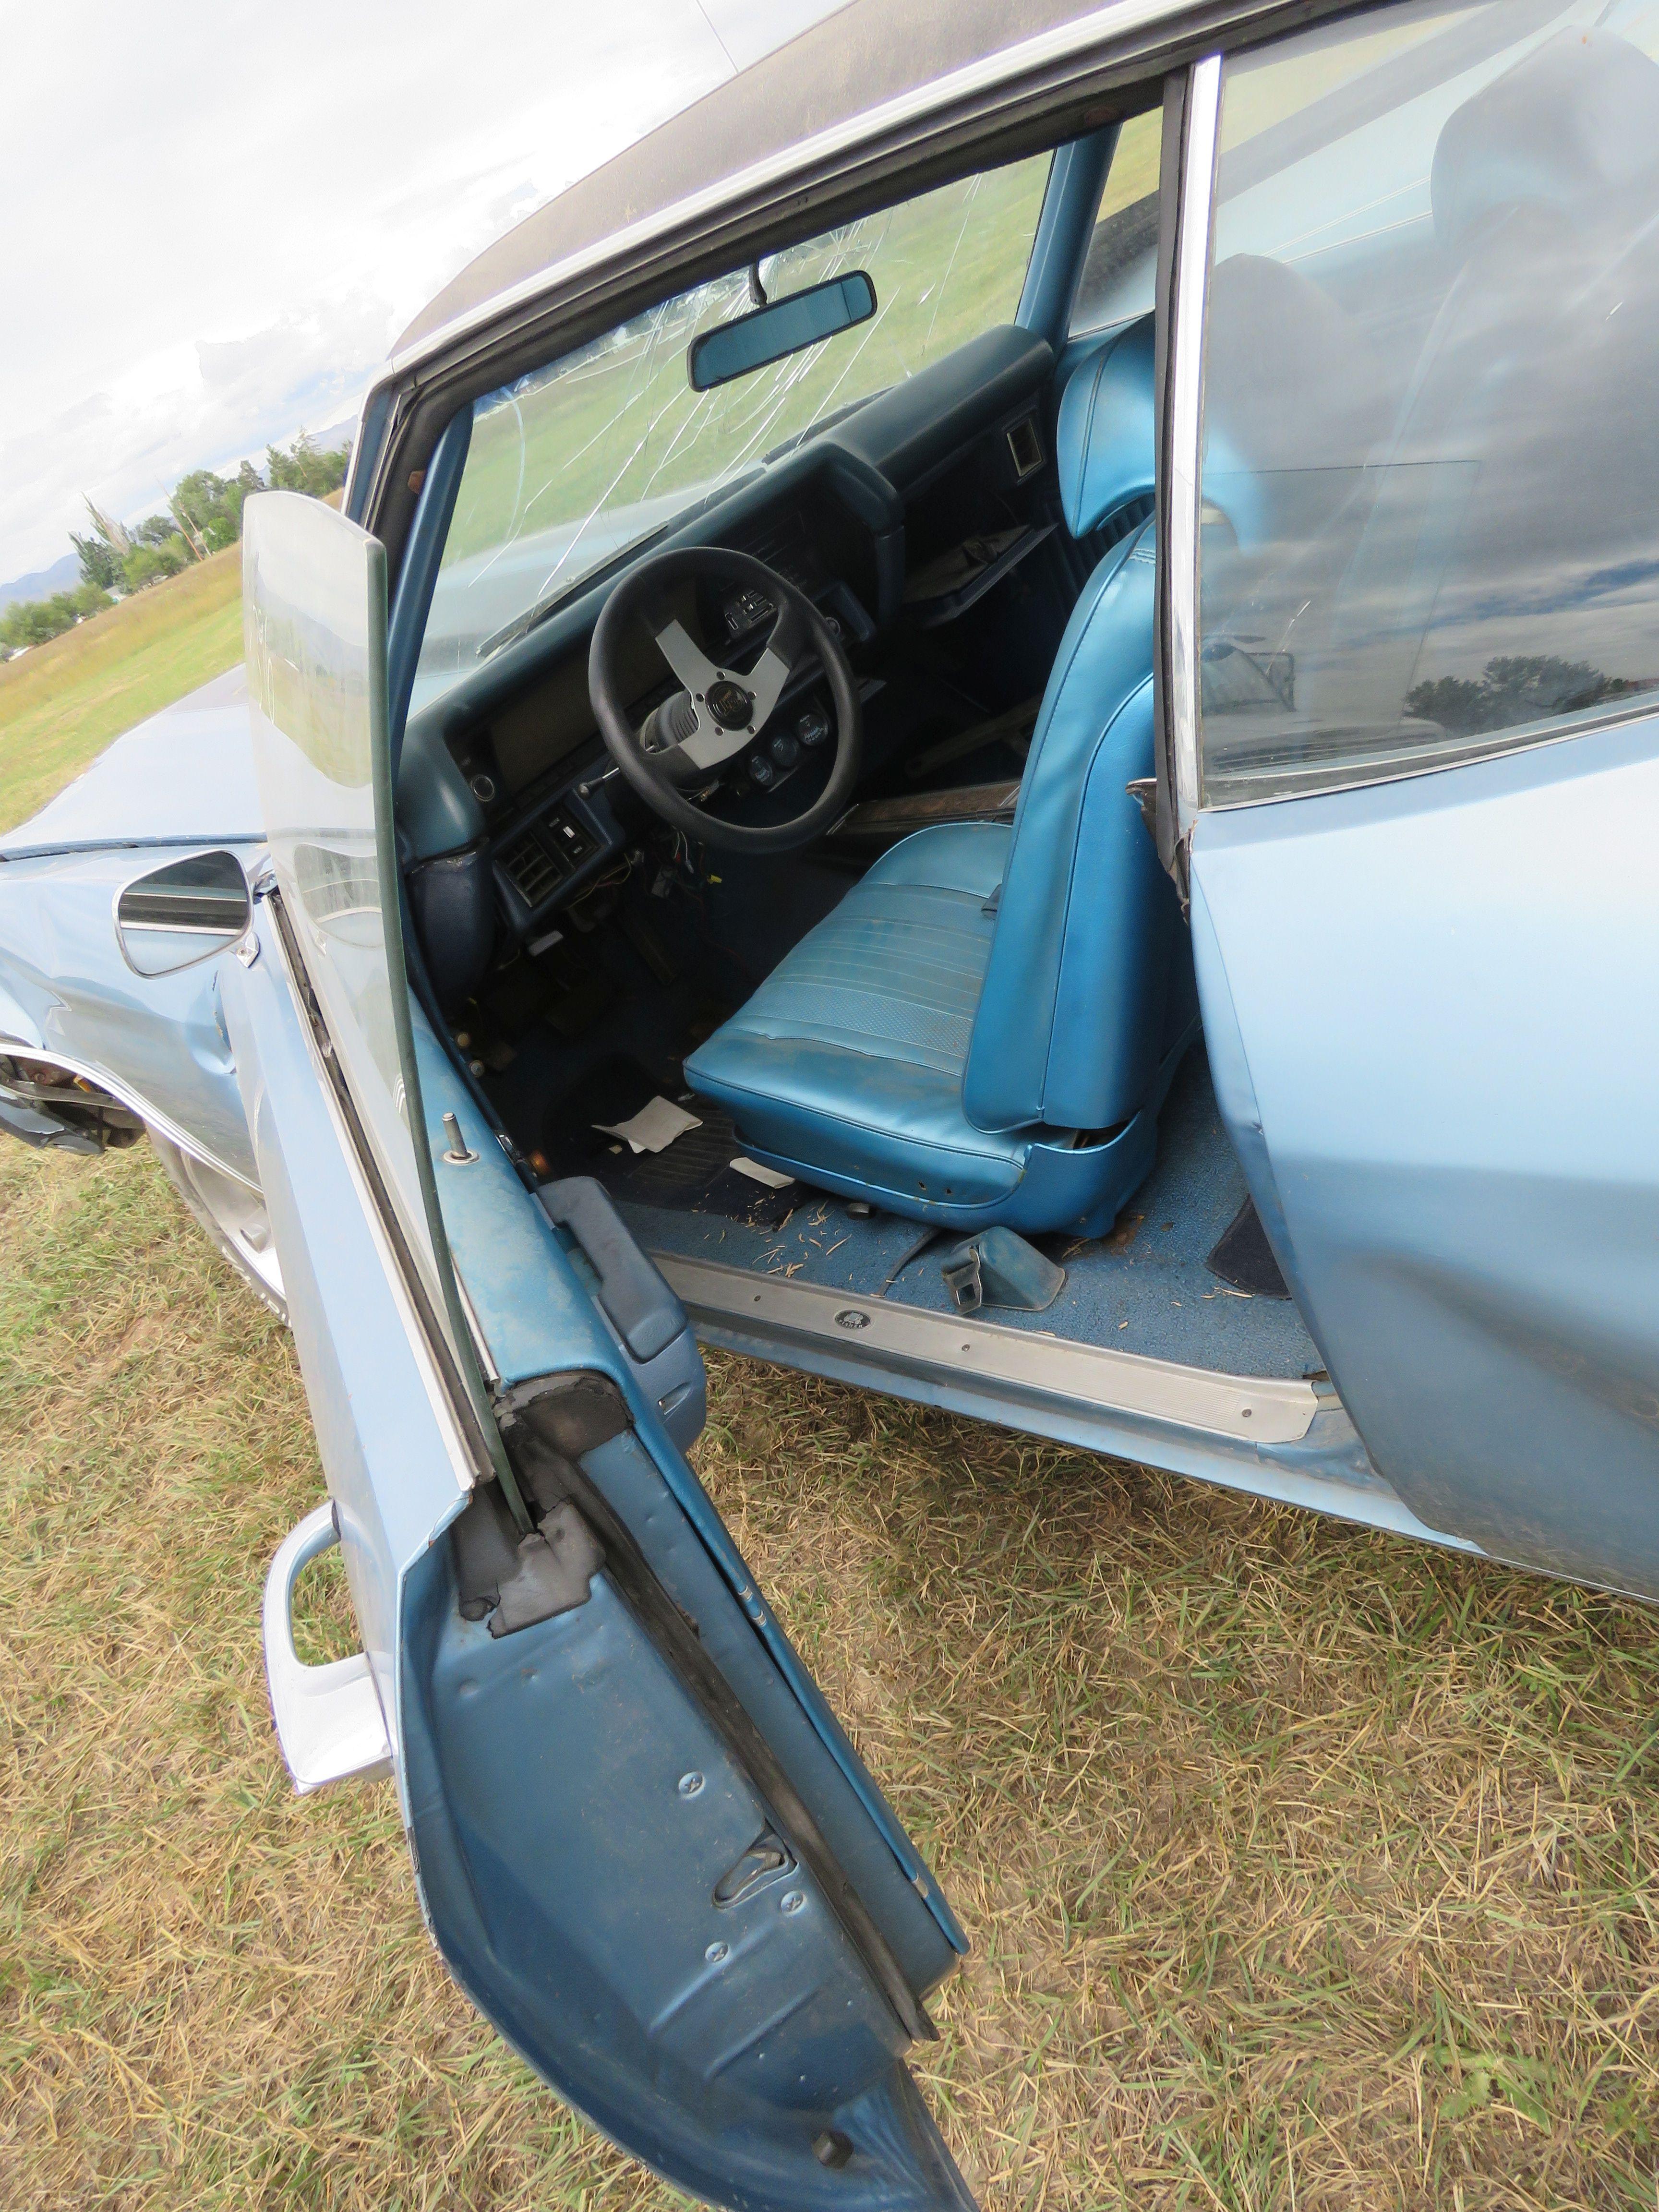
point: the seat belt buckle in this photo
(962, 1278)
(998, 1268)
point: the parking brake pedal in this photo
(995, 1267)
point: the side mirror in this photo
(185, 912)
(782, 326)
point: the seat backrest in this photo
(1090, 974)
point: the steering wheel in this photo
(718, 711)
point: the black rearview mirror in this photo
(782, 327)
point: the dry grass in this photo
(1303, 1868)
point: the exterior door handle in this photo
(329, 1722)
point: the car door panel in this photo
(540, 1771)
(573, 1893)
(1443, 991)
(395, 1477)
(640, 1841)
(1411, 610)
(539, 1323)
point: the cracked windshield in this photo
(574, 463)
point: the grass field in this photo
(1303, 1868)
(63, 702)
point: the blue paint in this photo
(185, 776)
(569, 1876)
(539, 1319)
(418, 574)
(539, 1771)
(389, 1470)
(1065, 228)
(1440, 992)
(72, 991)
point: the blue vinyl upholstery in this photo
(984, 1029)
(1105, 438)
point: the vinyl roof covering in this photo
(869, 53)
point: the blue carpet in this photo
(1146, 1289)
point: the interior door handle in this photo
(329, 1722)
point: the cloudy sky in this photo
(219, 214)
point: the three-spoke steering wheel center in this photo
(731, 707)
(689, 740)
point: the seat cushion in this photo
(848, 1061)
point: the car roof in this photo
(868, 54)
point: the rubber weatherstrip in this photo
(443, 1359)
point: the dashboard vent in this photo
(531, 869)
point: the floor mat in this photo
(693, 1174)
(1245, 1259)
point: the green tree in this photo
(32, 622)
(213, 506)
(151, 559)
(154, 529)
(305, 468)
(100, 564)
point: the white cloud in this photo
(220, 214)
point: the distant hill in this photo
(44, 582)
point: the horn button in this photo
(730, 704)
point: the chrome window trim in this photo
(1525, 738)
(456, 1417)
(1185, 445)
(1130, 40)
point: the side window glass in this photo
(1431, 482)
(314, 589)
(1120, 276)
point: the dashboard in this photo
(512, 756)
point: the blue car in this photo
(986, 722)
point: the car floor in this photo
(1144, 1289)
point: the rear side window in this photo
(1120, 276)
(1431, 482)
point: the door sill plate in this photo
(764, 1314)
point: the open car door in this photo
(642, 1843)
(1413, 708)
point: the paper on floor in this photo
(653, 1128)
(757, 1173)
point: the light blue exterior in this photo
(660, 2049)
(70, 992)
(183, 780)
(1431, 1008)
(183, 777)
